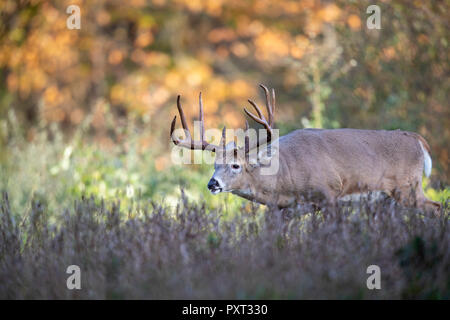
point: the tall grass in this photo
(152, 252)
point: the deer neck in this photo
(245, 193)
(260, 188)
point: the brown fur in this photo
(334, 163)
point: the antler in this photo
(268, 124)
(188, 142)
(203, 145)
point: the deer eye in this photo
(235, 166)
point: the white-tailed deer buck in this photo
(329, 163)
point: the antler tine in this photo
(246, 139)
(172, 129)
(223, 139)
(273, 104)
(183, 118)
(267, 96)
(269, 103)
(260, 114)
(260, 120)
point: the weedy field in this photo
(154, 252)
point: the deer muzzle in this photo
(214, 186)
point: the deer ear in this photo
(265, 155)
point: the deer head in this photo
(233, 164)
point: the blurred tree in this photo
(134, 57)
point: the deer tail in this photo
(427, 163)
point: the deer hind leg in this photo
(427, 204)
(414, 197)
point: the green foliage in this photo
(441, 196)
(56, 170)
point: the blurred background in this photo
(88, 111)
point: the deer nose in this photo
(213, 184)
